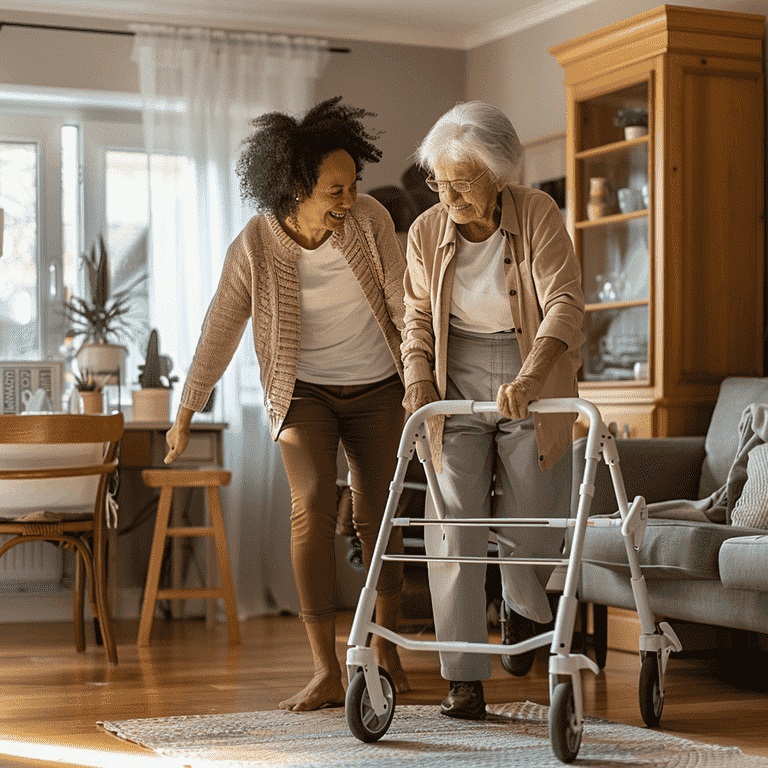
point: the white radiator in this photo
(29, 566)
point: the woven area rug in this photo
(513, 735)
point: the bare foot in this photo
(388, 657)
(323, 690)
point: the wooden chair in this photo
(167, 480)
(54, 476)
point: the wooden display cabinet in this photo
(673, 279)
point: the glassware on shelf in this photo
(630, 200)
(610, 286)
(617, 339)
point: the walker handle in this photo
(549, 405)
(463, 407)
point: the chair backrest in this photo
(43, 459)
(722, 440)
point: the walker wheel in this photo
(651, 695)
(564, 732)
(362, 720)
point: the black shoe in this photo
(465, 700)
(514, 629)
(355, 554)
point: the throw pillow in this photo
(751, 508)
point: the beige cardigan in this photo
(260, 281)
(543, 278)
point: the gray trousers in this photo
(475, 446)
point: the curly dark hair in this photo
(280, 159)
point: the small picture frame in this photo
(17, 376)
(544, 166)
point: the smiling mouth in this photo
(338, 216)
(459, 207)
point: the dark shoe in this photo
(514, 629)
(355, 554)
(465, 701)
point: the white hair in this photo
(474, 131)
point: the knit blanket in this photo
(718, 507)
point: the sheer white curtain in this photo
(200, 90)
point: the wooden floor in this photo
(52, 697)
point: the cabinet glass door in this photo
(612, 233)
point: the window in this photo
(63, 181)
(19, 268)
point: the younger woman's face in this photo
(324, 211)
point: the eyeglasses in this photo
(460, 185)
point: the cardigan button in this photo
(513, 293)
(507, 261)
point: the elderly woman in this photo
(319, 272)
(493, 311)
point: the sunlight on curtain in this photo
(201, 88)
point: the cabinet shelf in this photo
(614, 218)
(604, 306)
(615, 146)
(693, 255)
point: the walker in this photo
(370, 699)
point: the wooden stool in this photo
(167, 480)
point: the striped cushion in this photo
(751, 508)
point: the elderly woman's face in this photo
(475, 207)
(334, 194)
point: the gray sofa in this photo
(708, 573)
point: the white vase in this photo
(635, 131)
(151, 404)
(101, 361)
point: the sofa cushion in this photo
(744, 563)
(722, 440)
(677, 549)
(751, 508)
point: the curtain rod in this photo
(96, 30)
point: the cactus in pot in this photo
(152, 401)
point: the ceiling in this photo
(462, 24)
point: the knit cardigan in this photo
(260, 281)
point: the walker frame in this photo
(370, 699)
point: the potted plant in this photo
(100, 320)
(89, 392)
(634, 121)
(152, 401)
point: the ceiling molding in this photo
(215, 15)
(521, 20)
(221, 14)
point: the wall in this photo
(408, 87)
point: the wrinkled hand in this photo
(177, 438)
(513, 398)
(419, 394)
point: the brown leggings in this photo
(368, 419)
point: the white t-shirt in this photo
(480, 300)
(341, 342)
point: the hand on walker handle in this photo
(513, 398)
(177, 436)
(418, 394)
